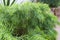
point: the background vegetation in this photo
(28, 21)
(52, 3)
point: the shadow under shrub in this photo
(28, 21)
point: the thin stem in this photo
(8, 2)
(4, 2)
(12, 2)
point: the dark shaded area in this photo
(19, 31)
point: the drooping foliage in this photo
(28, 21)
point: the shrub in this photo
(28, 21)
(52, 3)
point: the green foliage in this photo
(37, 37)
(28, 21)
(52, 3)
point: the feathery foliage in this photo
(28, 21)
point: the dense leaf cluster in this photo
(28, 21)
